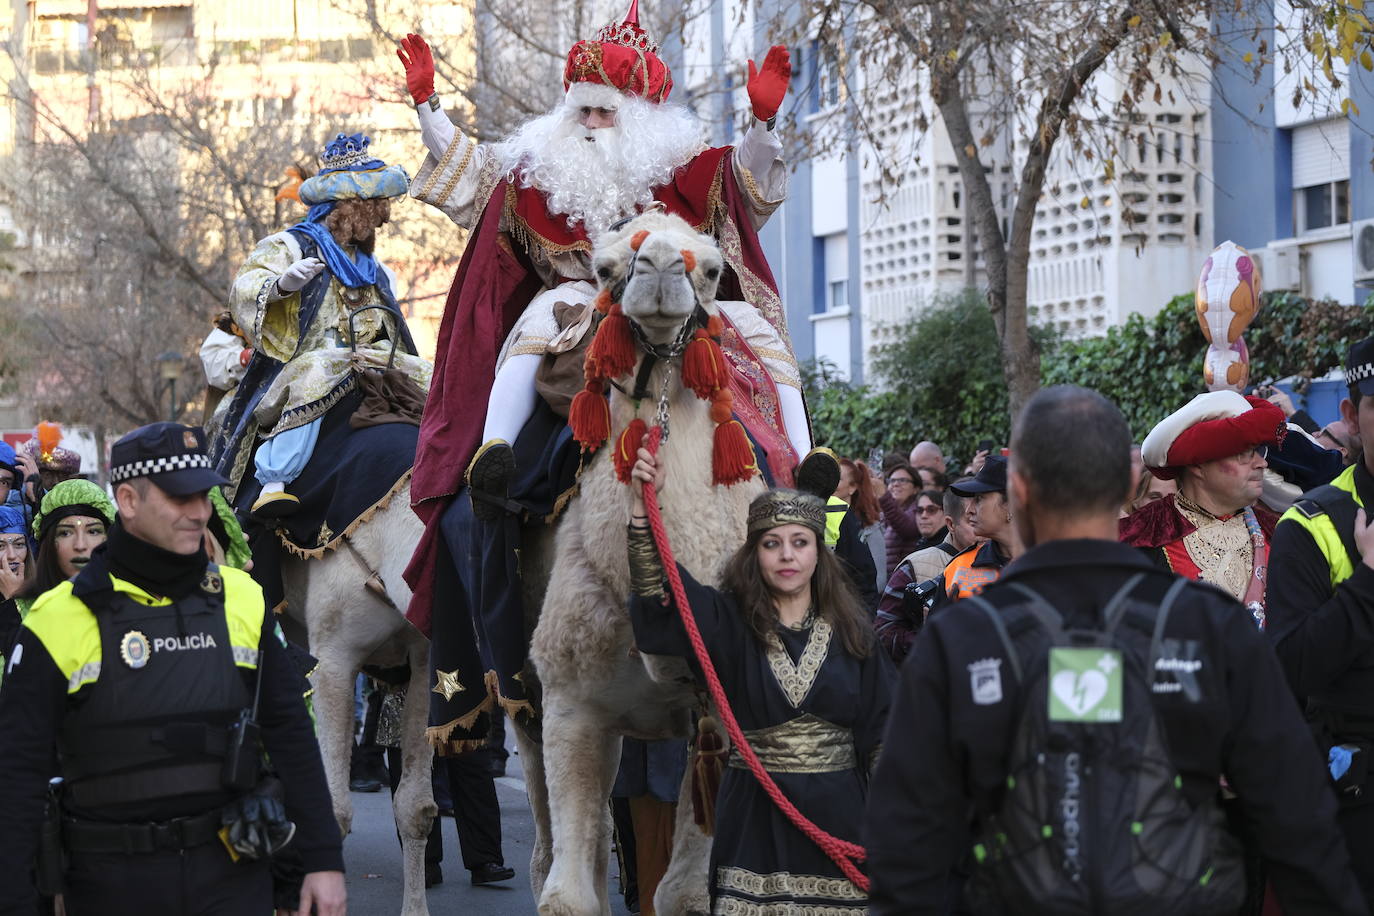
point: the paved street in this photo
(373, 858)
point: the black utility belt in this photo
(80, 836)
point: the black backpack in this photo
(1093, 818)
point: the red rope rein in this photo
(842, 852)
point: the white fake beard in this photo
(597, 177)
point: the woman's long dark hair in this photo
(47, 571)
(832, 595)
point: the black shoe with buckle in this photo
(819, 473)
(489, 477)
(490, 873)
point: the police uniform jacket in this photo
(54, 678)
(1320, 604)
(944, 751)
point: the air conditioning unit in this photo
(1279, 266)
(1362, 236)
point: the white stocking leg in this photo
(512, 398)
(794, 418)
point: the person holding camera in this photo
(159, 679)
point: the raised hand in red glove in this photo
(768, 85)
(419, 64)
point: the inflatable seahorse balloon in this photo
(1228, 298)
(1227, 368)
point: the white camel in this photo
(596, 688)
(351, 602)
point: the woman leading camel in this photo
(796, 655)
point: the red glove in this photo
(419, 64)
(245, 355)
(769, 85)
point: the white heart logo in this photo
(1079, 692)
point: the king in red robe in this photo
(535, 204)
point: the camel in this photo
(351, 603)
(596, 687)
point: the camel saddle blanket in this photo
(352, 474)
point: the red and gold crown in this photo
(623, 57)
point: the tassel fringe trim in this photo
(315, 553)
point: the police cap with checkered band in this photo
(1359, 366)
(169, 454)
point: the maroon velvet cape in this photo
(496, 281)
(1160, 523)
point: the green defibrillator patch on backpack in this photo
(1085, 685)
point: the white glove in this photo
(299, 274)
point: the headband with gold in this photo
(786, 507)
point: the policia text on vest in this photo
(143, 698)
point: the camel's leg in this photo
(580, 762)
(414, 801)
(333, 697)
(531, 746)
(685, 888)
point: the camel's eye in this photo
(712, 273)
(603, 272)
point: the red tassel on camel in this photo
(703, 365)
(589, 416)
(627, 448)
(732, 457)
(612, 350)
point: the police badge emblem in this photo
(212, 583)
(134, 649)
(985, 680)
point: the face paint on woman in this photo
(74, 538)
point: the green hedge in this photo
(939, 376)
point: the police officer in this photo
(1216, 695)
(134, 672)
(1321, 614)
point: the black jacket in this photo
(942, 751)
(857, 560)
(34, 699)
(1324, 636)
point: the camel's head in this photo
(658, 295)
(659, 269)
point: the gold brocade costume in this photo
(319, 366)
(1221, 548)
(813, 713)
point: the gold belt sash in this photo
(806, 744)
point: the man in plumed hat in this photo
(1213, 529)
(1321, 613)
(304, 301)
(136, 673)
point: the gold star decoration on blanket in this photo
(325, 534)
(446, 684)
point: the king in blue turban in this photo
(317, 308)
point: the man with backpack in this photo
(1321, 609)
(1064, 735)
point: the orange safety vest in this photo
(962, 578)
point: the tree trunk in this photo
(1005, 264)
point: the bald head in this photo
(927, 454)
